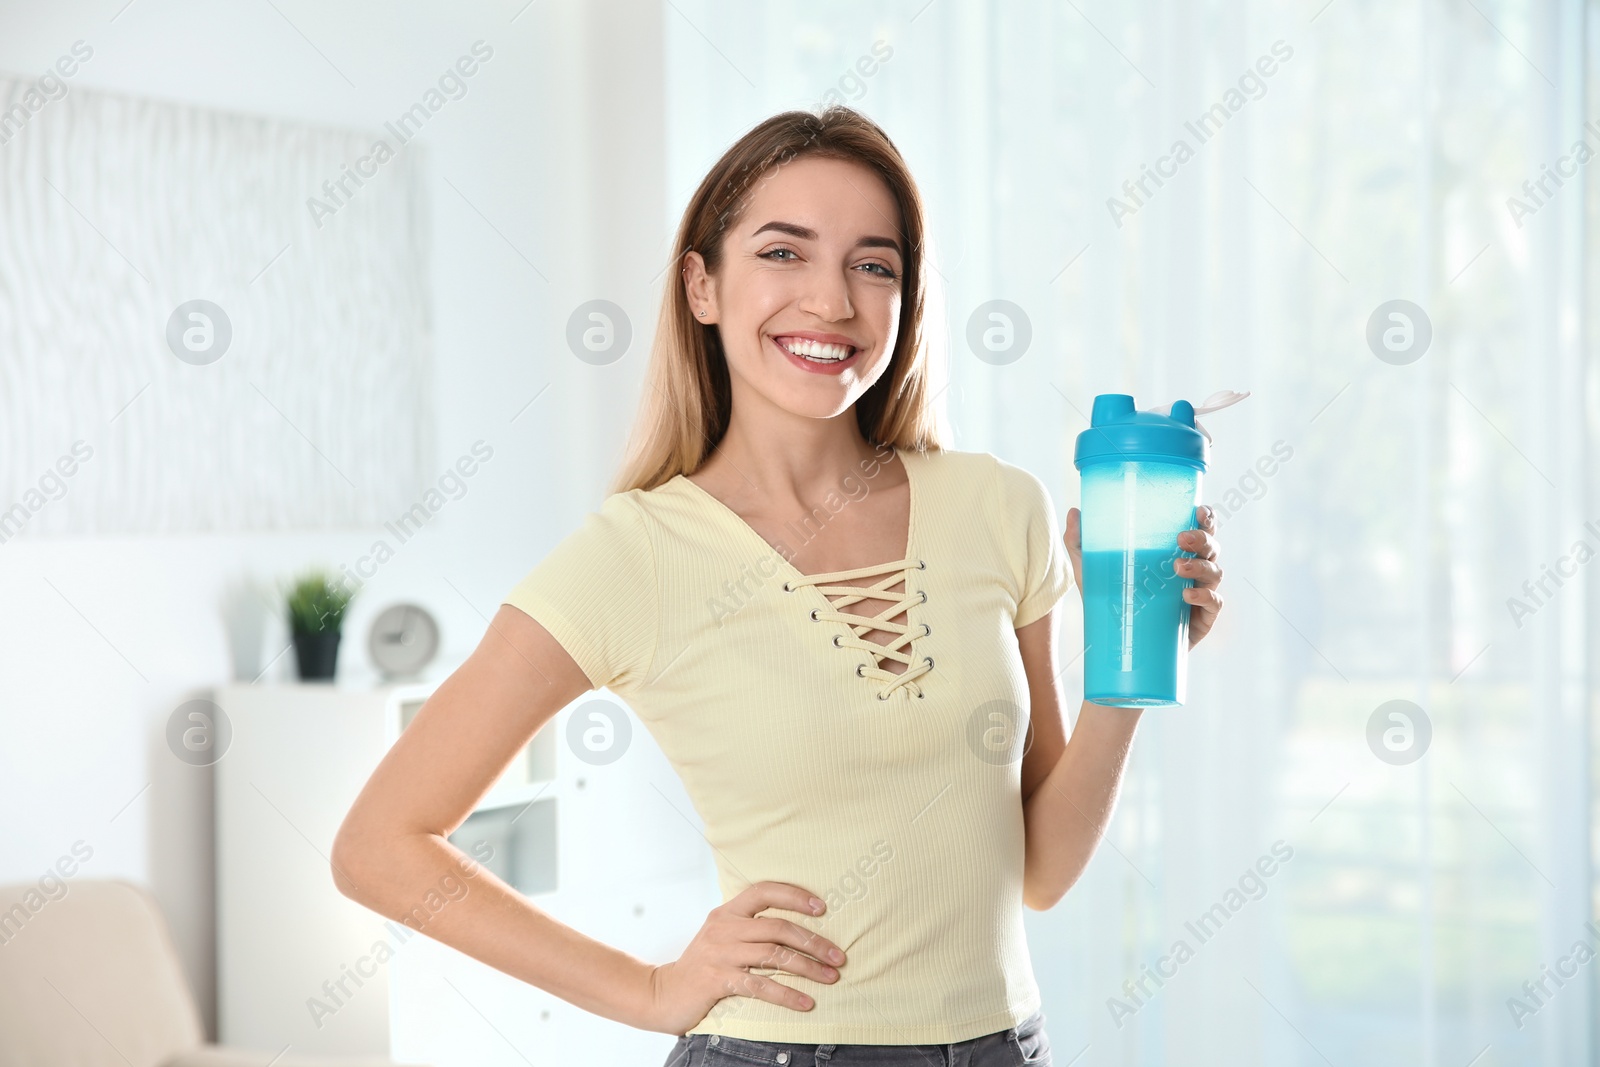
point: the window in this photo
(1183, 199)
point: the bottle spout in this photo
(1109, 407)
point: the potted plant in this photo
(316, 603)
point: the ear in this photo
(700, 287)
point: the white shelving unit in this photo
(297, 962)
(613, 851)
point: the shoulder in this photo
(1017, 501)
(644, 508)
(618, 526)
(1015, 485)
(659, 512)
(674, 513)
(1022, 488)
(955, 464)
(620, 513)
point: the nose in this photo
(828, 296)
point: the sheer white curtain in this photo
(1382, 515)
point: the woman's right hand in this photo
(733, 939)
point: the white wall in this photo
(551, 165)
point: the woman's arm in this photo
(391, 853)
(1069, 786)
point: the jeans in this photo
(1023, 1045)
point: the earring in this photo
(702, 314)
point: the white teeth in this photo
(816, 351)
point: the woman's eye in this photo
(880, 269)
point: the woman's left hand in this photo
(1205, 601)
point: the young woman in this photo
(841, 634)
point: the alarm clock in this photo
(403, 640)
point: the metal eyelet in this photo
(922, 564)
(814, 614)
(926, 629)
(924, 593)
(836, 640)
(859, 668)
(786, 588)
(920, 694)
(928, 660)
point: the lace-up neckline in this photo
(902, 648)
(906, 632)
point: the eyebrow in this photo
(806, 234)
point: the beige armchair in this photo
(89, 978)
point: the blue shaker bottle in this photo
(1141, 475)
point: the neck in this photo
(794, 460)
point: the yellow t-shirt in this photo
(894, 797)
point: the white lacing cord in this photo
(1215, 402)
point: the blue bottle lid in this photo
(1118, 433)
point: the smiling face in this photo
(807, 297)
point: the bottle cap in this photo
(1167, 433)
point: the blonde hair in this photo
(687, 399)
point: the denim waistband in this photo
(1023, 1044)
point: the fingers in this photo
(1203, 571)
(1072, 536)
(1204, 594)
(761, 987)
(768, 941)
(761, 895)
(783, 958)
(1202, 542)
(772, 928)
(1199, 542)
(1204, 568)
